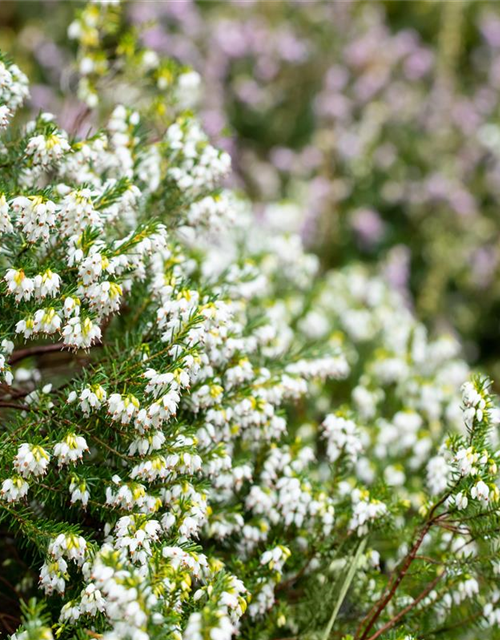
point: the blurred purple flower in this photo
(368, 227)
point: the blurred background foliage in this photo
(371, 128)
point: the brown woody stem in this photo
(21, 354)
(408, 608)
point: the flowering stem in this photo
(345, 586)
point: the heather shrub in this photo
(203, 436)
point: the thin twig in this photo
(287, 583)
(427, 559)
(21, 354)
(117, 453)
(14, 405)
(13, 392)
(408, 608)
(394, 584)
(395, 580)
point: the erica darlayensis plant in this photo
(201, 437)
(378, 127)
